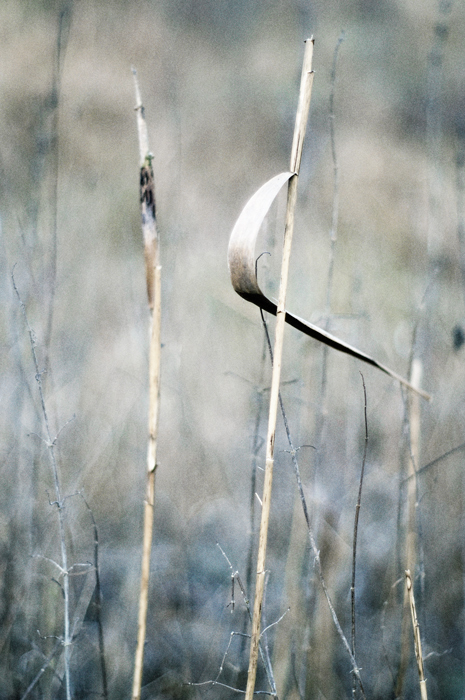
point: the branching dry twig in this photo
(264, 657)
(314, 549)
(434, 462)
(59, 502)
(263, 652)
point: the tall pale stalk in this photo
(153, 276)
(296, 156)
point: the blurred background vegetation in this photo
(220, 83)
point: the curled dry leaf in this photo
(241, 260)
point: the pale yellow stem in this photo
(296, 155)
(153, 275)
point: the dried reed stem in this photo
(416, 636)
(296, 155)
(153, 276)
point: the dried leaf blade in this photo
(241, 261)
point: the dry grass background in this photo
(220, 83)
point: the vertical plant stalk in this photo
(64, 22)
(98, 603)
(416, 636)
(434, 130)
(41, 671)
(414, 460)
(315, 632)
(320, 419)
(256, 446)
(59, 502)
(460, 202)
(296, 156)
(153, 276)
(411, 546)
(335, 213)
(356, 519)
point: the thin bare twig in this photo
(263, 652)
(58, 494)
(435, 461)
(64, 23)
(98, 601)
(357, 515)
(315, 550)
(320, 419)
(276, 622)
(264, 657)
(80, 609)
(42, 670)
(256, 445)
(230, 687)
(335, 213)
